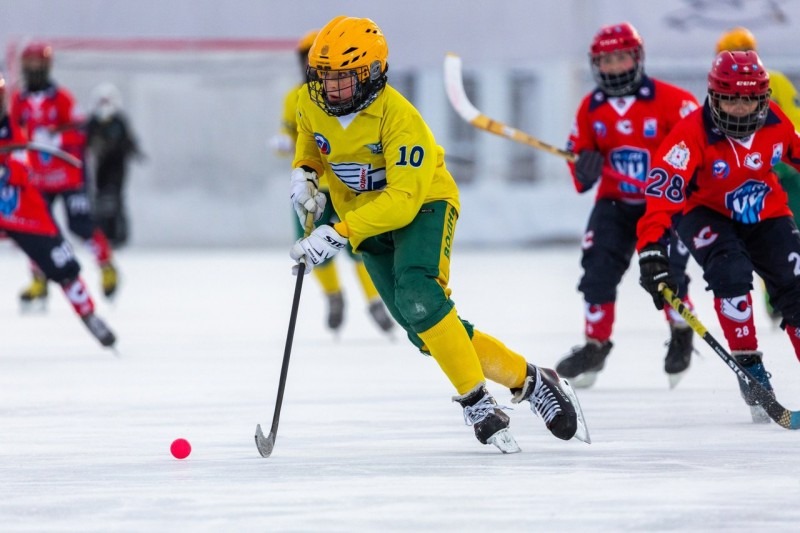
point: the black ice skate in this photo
(335, 311)
(380, 315)
(99, 329)
(488, 420)
(751, 361)
(583, 364)
(679, 353)
(553, 399)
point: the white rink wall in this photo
(210, 178)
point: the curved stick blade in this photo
(264, 444)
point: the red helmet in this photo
(738, 75)
(621, 37)
(37, 58)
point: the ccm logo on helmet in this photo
(747, 83)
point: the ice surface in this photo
(369, 439)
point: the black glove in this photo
(654, 270)
(588, 167)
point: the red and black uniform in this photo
(626, 130)
(52, 110)
(26, 219)
(734, 215)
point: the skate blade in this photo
(759, 415)
(504, 441)
(585, 380)
(32, 307)
(674, 379)
(582, 433)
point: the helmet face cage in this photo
(738, 76)
(36, 62)
(341, 92)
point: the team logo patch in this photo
(704, 237)
(678, 156)
(747, 201)
(777, 154)
(594, 313)
(737, 309)
(323, 144)
(624, 126)
(375, 148)
(631, 162)
(588, 240)
(753, 161)
(599, 129)
(720, 169)
(650, 128)
(9, 195)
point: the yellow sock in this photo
(328, 277)
(500, 364)
(366, 282)
(450, 345)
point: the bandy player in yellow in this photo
(398, 206)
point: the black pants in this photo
(53, 255)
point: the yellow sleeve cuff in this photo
(342, 229)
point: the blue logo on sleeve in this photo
(323, 144)
(9, 195)
(720, 169)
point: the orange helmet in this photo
(348, 47)
(37, 58)
(739, 38)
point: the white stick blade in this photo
(454, 86)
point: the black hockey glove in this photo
(588, 167)
(654, 270)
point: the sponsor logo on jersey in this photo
(747, 201)
(678, 156)
(720, 169)
(737, 309)
(704, 237)
(375, 148)
(452, 215)
(687, 106)
(9, 195)
(323, 144)
(633, 162)
(650, 128)
(599, 129)
(753, 161)
(777, 154)
(360, 178)
(624, 126)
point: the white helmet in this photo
(106, 100)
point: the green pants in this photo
(329, 215)
(410, 267)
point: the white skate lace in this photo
(543, 400)
(478, 412)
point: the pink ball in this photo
(180, 448)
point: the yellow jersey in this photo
(383, 163)
(785, 95)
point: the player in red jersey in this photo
(620, 124)
(47, 114)
(716, 168)
(26, 219)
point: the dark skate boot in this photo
(679, 353)
(488, 420)
(751, 361)
(335, 311)
(34, 297)
(99, 329)
(380, 315)
(583, 364)
(553, 399)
